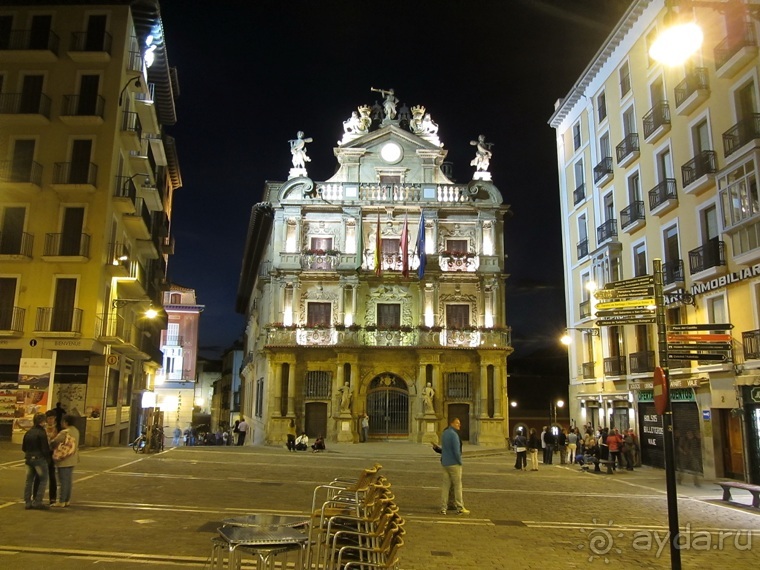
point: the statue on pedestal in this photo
(427, 399)
(482, 154)
(298, 150)
(389, 103)
(345, 398)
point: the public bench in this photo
(754, 489)
(609, 464)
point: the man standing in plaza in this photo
(242, 431)
(451, 460)
(36, 455)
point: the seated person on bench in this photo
(302, 442)
(590, 455)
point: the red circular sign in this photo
(660, 391)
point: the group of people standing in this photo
(51, 450)
(574, 446)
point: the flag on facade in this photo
(421, 247)
(405, 248)
(378, 247)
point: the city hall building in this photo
(659, 162)
(379, 291)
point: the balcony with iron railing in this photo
(582, 249)
(320, 260)
(125, 195)
(614, 366)
(118, 262)
(742, 133)
(82, 106)
(174, 340)
(139, 223)
(383, 193)
(633, 216)
(15, 173)
(64, 245)
(603, 171)
(663, 197)
(628, 149)
(25, 104)
(751, 343)
(90, 42)
(579, 194)
(30, 40)
(75, 173)
(58, 320)
(642, 362)
(656, 122)
(16, 244)
(734, 52)
(672, 272)
(11, 320)
(607, 230)
(453, 261)
(692, 90)
(589, 370)
(698, 172)
(708, 256)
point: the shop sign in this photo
(724, 280)
(674, 384)
(651, 430)
(706, 415)
(676, 395)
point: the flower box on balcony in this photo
(281, 326)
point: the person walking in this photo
(614, 444)
(521, 451)
(451, 461)
(629, 450)
(36, 453)
(562, 445)
(533, 444)
(572, 445)
(65, 466)
(365, 428)
(242, 431)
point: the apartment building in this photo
(379, 291)
(87, 175)
(661, 162)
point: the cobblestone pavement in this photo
(131, 511)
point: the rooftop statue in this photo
(389, 103)
(351, 125)
(422, 123)
(358, 123)
(298, 150)
(482, 154)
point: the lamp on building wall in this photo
(682, 36)
(123, 89)
(150, 313)
(567, 340)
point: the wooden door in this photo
(316, 419)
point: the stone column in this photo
(291, 390)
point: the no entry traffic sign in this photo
(660, 389)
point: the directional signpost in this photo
(627, 302)
(696, 341)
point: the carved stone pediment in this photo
(389, 294)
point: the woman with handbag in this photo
(66, 455)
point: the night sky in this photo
(253, 73)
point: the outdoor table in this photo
(262, 542)
(267, 520)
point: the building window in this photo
(716, 310)
(388, 315)
(625, 79)
(318, 314)
(175, 298)
(457, 246)
(112, 392)
(259, 398)
(318, 385)
(738, 195)
(458, 386)
(457, 316)
(639, 260)
(576, 136)
(650, 39)
(321, 243)
(601, 106)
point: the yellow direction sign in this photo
(625, 304)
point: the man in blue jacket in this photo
(451, 460)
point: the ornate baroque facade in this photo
(367, 290)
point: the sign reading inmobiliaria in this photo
(724, 280)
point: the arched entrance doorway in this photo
(388, 407)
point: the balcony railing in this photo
(746, 130)
(696, 80)
(658, 116)
(454, 261)
(174, 340)
(706, 162)
(320, 261)
(672, 272)
(89, 41)
(119, 255)
(16, 244)
(584, 309)
(614, 366)
(111, 326)
(602, 169)
(131, 123)
(730, 46)
(25, 104)
(12, 319)
(83, 106)
(58, 319)
(29, 173)
(589, 370)
(582, 248)
(579, 194)
(627, 146)
(632, 214)
(607, 230)
(26, 40)
(663, 192)
(444, 193)
(62, 245)
(642, 362)
(75, 173)
(751, 342)
(125, 188)
(711, 254)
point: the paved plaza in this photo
(133, 511)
